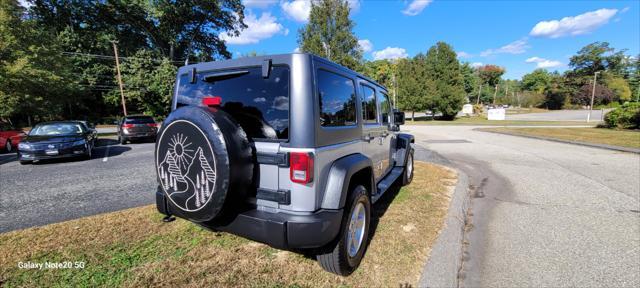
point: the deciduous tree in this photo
(329, 33)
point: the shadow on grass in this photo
(377, 212)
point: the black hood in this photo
(50, 139)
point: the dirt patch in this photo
(133, 248)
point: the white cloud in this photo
(574, 25)
(624, 10)
(257, 29)
(354, 5)
(297, 50)
(515, 47)
(462, 54)
(543, 63)
(299, 10)
(476, 64)
(258, 3)
(365, 45)
(415, 7)
(390, 53)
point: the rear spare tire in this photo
(203, 162)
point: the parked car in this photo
(137, 128)
(289, 150)
(60, 139)
(9, 137)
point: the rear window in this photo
(138, 120)
(260, 105)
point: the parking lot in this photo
(117, 177)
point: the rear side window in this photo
(260, 105)
(369, 109)
(138, 120)
(337, 99)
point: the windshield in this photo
(260, 105)
(57, 129)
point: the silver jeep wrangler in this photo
(288, 150)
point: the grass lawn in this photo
(134, 248)
(484, 122)
(625, 138)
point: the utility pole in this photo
(115, 51)
(593, 94)
(395, 85)
(495, 94)
(506, 91)
(479, 92)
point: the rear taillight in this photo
(127, 126)
(152, 124)
(211, 101)
(301, 167)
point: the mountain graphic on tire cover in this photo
(189, 186)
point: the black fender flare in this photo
(339, 178)
(403, 148)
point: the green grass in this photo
(615, 137)
(134, 248)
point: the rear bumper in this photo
(279, 230)
(139, 136)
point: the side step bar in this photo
(387, 182)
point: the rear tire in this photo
(343, 256)
(25, 162)
(7, 146)
(407, 175)
(121, 140)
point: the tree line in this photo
(57, 56)
(57, 61)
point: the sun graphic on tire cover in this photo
(179, 151)
(185, 173)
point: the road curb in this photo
(593, 145)
(445, 259)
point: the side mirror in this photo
(398, 118)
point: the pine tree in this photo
(443, 68)
(329, 34)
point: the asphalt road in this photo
(544, 213)
(117, 177)
(559, 115)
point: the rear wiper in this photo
(224, 75)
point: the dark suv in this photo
(289, 150)
(137, 128)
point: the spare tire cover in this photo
(194, 152)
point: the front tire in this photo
(407, 175)
(25, 162)
(343, 256)
(7, 146)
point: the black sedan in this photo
(59, 139)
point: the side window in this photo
(385, 108)
(337, 99)
(369, 109)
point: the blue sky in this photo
(518, 35)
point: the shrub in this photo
(626, 117)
